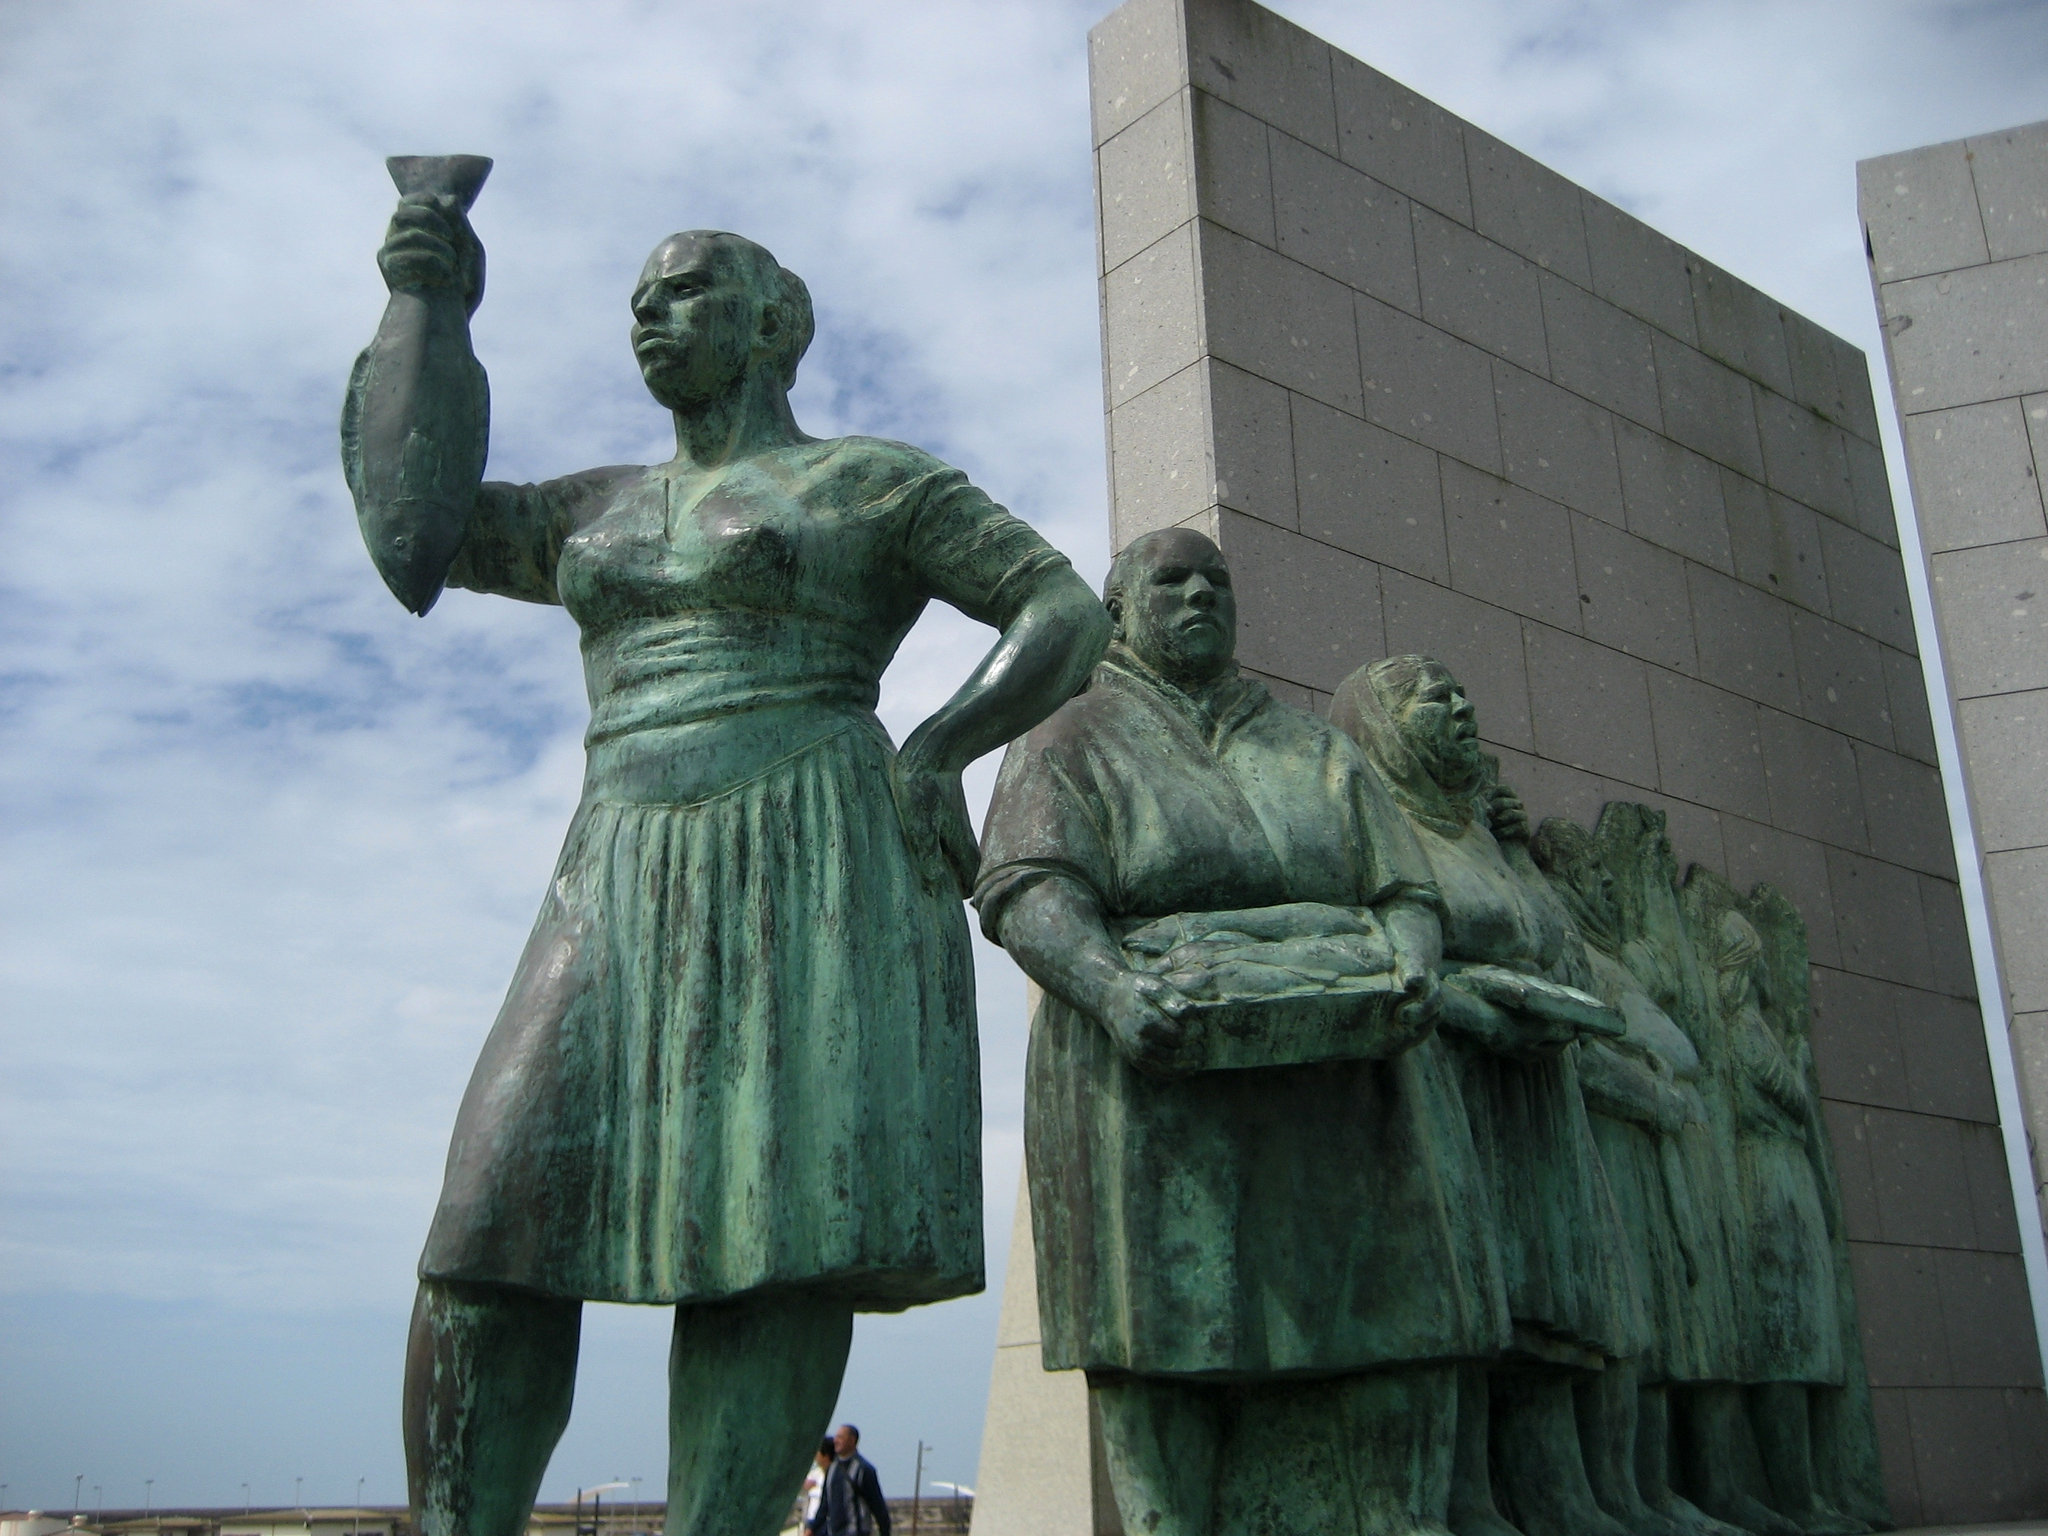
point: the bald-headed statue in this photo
(736, 1070)
(1255, 1203)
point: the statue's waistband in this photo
(702, 759)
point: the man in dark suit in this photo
(852, 1504)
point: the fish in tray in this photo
(1278, 986)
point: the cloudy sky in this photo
(270, 845)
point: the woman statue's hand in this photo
(430, 248)
(1416, 934)
(1507, 818)
(1668, 1110)
(1422, 994)
(933, 809)
(1146, 1017)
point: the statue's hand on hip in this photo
(933, 809)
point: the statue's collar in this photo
(1214, 708)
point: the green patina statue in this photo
(1795, 1386)
(1554, 1218)
(1702, 1167)
(736, 1069)
(1649, 1121)
(1549, 1248)
(1268, 1252)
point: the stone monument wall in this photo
(1430, 396)
(1958, 241)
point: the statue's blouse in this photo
(781, 586)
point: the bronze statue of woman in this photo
(1788, 1298)
(1270, 1271)
(1648, 1117)
(736, 1070)
(1562, 1260)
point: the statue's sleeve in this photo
(967, 551)
(514, 537)
(1765, 1066)
(1045, 822)
(1620, 1087)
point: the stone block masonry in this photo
(1429, 395)
(1957, 236)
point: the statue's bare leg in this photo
(751, 1383)
(1402, 1429)
(489, 1375)
(1719, 1453)
(1473, 1512)
(1653, 1468)
(1784, 1435)
(1542, 1467)
(1357, 1455)
(1160, 1438)
(1606, 1405)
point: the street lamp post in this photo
(596, 1495)
(77, 1488)
(298, 1503)
(99, 1504)
(248, 1503)
(148, 1497)
(358, 1528)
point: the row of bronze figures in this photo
(1577, 1265)
(1392, 1168)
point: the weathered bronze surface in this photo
(1210, 1240)
(1553, 1247)
(1553, 1216)
(736, 1069)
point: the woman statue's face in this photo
(1441, 728)
(1177, 610)
(697, 321)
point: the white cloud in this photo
(271, 845)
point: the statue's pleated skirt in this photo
(1676, 1257)
(1564, 1260)
(1791, 1328)
(739, 1054)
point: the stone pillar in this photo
(1958, 241)
(1430, 396)
(1041, 1471)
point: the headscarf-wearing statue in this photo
(1807, 1403)
(1565, 1266)
(1649, 1122)
(1257, 1214)
(1770, 1457)
(736, 1069)
(1843, 1424)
